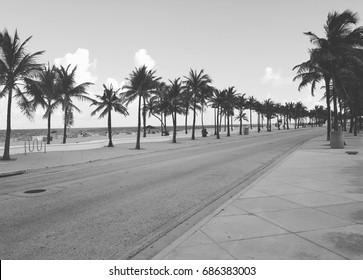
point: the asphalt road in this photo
(116, 208)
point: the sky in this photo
(251, 45)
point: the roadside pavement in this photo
(310, 206)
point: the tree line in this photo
(337, 60)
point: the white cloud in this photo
(274, 78)
(84, 66)
(143, 58)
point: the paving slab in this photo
(264, 204)
(296, 220)
(239, 227)
(313, 199)
(347, 241)
(278, 247)
(201, 252)
(350, 211)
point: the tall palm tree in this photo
(250, 104)
(229, 104)
(15, 64)
(44, 89)
(269, 110)
(110, 100)
(176, 102)
(217, 103)
(140, 82)
(69, 90)
(158, 105)
(241, 104)
(258, 109)
(341, 43)
(289, 108)
(196, 83)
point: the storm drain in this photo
(35, 191)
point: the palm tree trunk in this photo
(218, 137)
(174, 127)
(65, 125)
(258, 123)
(231, 122)
(220, 120)
(327, 87)
(228, 132)
(215, 122)
(335, 124)
(6, 155)
(225, 123)
(240, 126)
(48, 135)
(202, 113)
(110, 144)
(251, 118)
(165, 129)
(144, 117)
(193, 129)
(186, 121)
(137, 147)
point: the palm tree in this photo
(250, 104)
(69, 90)
(229, 104)
(176, 102)
(158, 105)
(241, 104)
(196, 83)
(15, 64)
(340, 44)
(141, 82)
(44, 89)
(217, 103)
(268, 108)
(110, 100)
(289, 108)
(187, 97)
(258, 109)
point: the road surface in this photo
(117, 208)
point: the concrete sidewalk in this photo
(308, 207)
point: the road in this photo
(116, 208)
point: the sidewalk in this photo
(308, 207)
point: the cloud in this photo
(80, 59)
(143, 58)
(274, 78)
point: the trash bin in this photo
(337, 139)
(246, 130)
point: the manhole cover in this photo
(352, 152)
(35, 191)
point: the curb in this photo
(13, 173)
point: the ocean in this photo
(26, 134)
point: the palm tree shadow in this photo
(10, 159)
